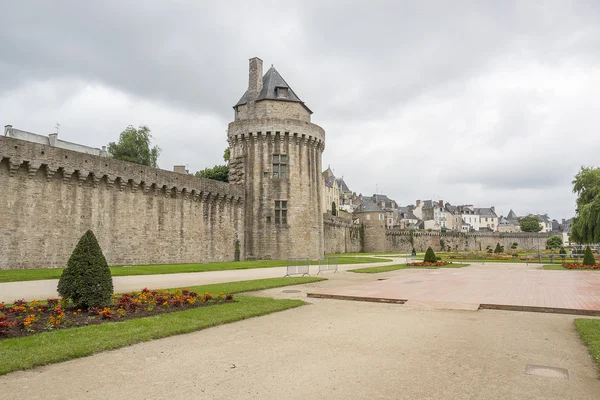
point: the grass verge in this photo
(250, 286)
(558, 267)
(589, 331)
(387, 268)
(62, 345)
(156, 269)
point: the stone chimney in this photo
(180, 169)
(52, 139)
(441, 202)
(7, 129)
(255, 78)
(418, 202)
(493, 208)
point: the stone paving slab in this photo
(575, 292)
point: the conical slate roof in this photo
(271, 81)
(511, 215)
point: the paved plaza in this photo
(519, 287)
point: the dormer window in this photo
(281, 92)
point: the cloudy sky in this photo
(473, 102)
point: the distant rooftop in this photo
(53, 140)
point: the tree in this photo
(586, 224)
(86, 280)
(333, 208)
(562, 251)
(134, 146)
(498, 248)
(530, 223)
(430, 256)
(554, 242)
(588, 257)
(218, 172)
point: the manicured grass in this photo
(559, 267)
(387, 268)
(54, 273)
(554, 267)
(249, 286)
(589, 331)
(61, 345)
(396, 253)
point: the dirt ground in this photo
(335, 349)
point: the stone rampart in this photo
(341, 235)
(400, 240)
(141, 215)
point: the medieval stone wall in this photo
(140, 215)
(400, 240)
(341, 235)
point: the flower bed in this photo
(428, 264)
(26, 318)
(580, 266)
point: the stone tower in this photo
(276, 154)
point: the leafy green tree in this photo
(134, 145)
(530, 223)
(430, 255)
(588, 257)
(586, 224)
(562, 251)
(86, 280)
(498, 248)
(218, 172)
(554, 242)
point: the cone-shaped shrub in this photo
(498, 248)
(588, 257)
(562, 251)
(86, 280)
(430, 256)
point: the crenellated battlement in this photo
(140, 215)
(272, 130)
(500, 235)
(74, 167)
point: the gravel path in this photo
(336, 350)
(42, 289)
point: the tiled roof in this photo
(271, 81)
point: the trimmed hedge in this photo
(430, 256)
(87, 280)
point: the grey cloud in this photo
(398, 86)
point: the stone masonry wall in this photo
(341, 235)
(253, 143)
(140, 215)
(399, 240)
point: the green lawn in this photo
(387, 268)
(589, 331)
(54, 273)
(559, 267)
(61, 345)
(249, 286)
(376, 254)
